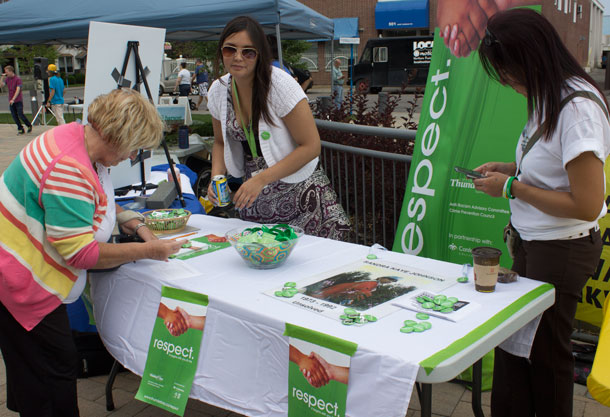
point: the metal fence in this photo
(369, 184)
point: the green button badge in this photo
(265, 135)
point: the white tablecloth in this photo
(243, 364)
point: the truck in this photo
(393, 62)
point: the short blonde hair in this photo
(126, 120)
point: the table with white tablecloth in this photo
(243, 364)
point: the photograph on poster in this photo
(180, 316)
(317, 364)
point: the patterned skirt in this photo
(310, 204)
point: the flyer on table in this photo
(368, 286)
(318, 373)
(174, 350)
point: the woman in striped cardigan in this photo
(55, 215)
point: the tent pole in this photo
(332, 61)
(278, 35)
(279, 44)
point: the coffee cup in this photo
(486, 261)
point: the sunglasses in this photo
(247, 53)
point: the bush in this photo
(80, 78)
(203, 129)
(71, 79)
(367, 225)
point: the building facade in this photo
(577, 21)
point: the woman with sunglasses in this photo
(56, 215)
(556, 192)
(264, 132)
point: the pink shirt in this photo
(13, 83)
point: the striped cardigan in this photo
(51, 202)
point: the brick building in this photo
(574, 20)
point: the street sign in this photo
(353, 41)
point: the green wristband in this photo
(509, 185)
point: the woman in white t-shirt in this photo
(556, 193)
(264, 132)
(183, 81)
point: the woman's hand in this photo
(506, 168)
(212, 195)
(161, 249)
(248, 192)
(492, 185)
(218, 162)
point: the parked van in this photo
(393, 62)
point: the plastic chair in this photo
(598, 381)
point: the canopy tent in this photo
(67, 21)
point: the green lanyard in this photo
(248, 132)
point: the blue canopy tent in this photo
(67, 21)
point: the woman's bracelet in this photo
(507, 188)
(135, 229)
(504, 188)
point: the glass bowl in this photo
(259, 255)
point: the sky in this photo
(606, 4)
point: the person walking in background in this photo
(15, 98)
(56, 94)
(183, 81)
(337, 83)
(201, 78)
(264, 132)
(555, 188)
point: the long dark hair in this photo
(262, 72)
(522, 46)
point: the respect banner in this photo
(466, 120)
(318, 373)
(174, 350)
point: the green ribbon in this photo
(282, 231)
(248, 132)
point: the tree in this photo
(25, 55)
(194, 49)
(292, 51)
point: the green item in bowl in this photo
(265, 246)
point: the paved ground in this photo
(449, 399)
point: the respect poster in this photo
(466, 120)
(318, 373)
(174, 350)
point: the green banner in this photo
(466, 120)
(318, 373)
(174, 350)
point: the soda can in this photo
(221, 189)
